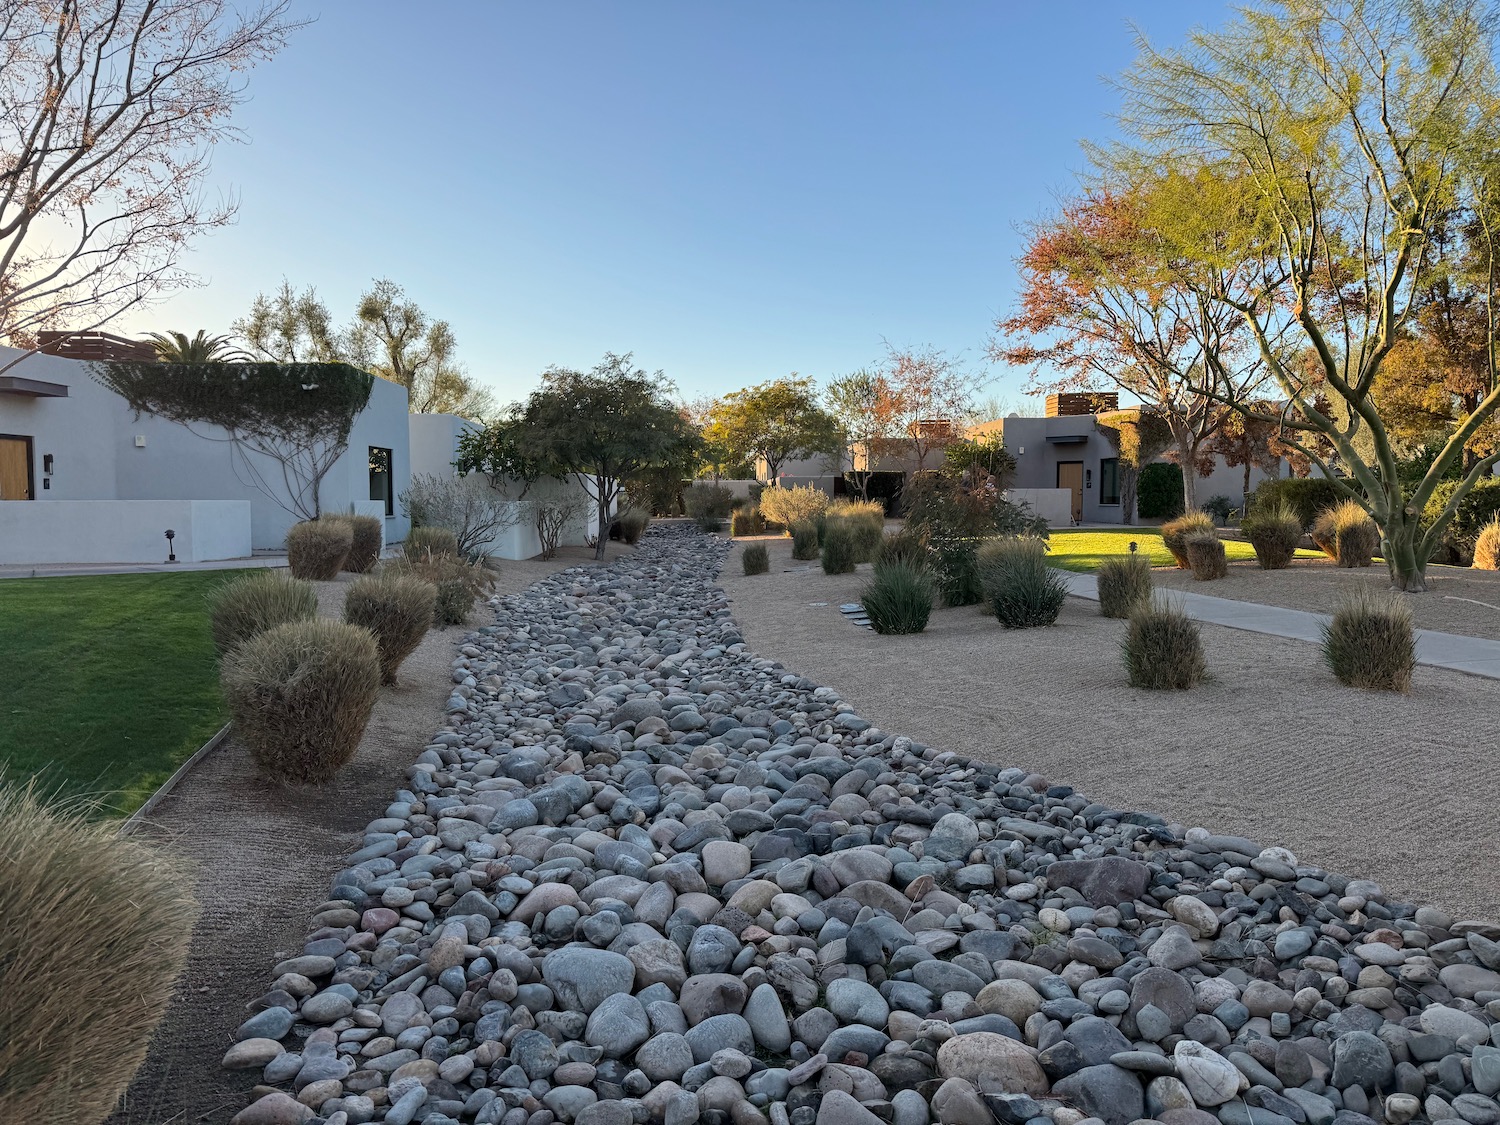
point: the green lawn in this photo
(1085, 550)
(107, 683)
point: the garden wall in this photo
(123, 531)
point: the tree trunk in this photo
(1189, 486)
(603, 529)
(1399, 545)
(1129, 478)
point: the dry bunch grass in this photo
(250, 605)
(397, 610)
(1175, 533)
(316, 549)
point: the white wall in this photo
(123, 531)
(1055, 505)
(92, 435)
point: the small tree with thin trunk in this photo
(774, 422)
(923, 400)
(855, 401)
(600, 427)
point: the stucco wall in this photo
(92, 435)
(123, 531)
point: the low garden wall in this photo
(122, 531)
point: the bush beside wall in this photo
(316, 549)
(364, 550)
(1158, 491)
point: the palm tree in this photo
(175, 347)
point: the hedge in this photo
(1158, 494)
(1307, 496)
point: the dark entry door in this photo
(1070, 475)
(15, 468)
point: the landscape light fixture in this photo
(171, 551)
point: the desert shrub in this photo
(1124, 584)
(1487, 546)
(707, 503)
(1274, 532)
(250, 605)
(755, 559)
(1158, 491)
(553, 515)
(788, 506)
(957, 569)
(944, 507)
(70, 1040)
(316, 549)
(368, 536)
(866, 531)
(804, 541)
(906, 547)
(435, 541)
(1219, 509)
(857, 509)
(1163, 649)
(899, 600)
(1346, 534)
(470, 507)
(300, 695)
(747, 521)
(1307, 496)
(1020, 588)
(1206, 557)
(633, 523)
(1175, 534)
(1478, 507)
(838, 548)
(397, 610)
(1370, 643)
(458, 583)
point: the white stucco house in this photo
(93, 483)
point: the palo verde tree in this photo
(295, 416)
(600, 427)
(108, 115)
(774, 422)
(1106, 302)
(1354, 129)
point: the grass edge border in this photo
(148, 806)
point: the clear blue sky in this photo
(731, 191)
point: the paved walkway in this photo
(75, 570)
(1453, 651)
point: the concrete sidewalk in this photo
(65, 570)
(1452, 651)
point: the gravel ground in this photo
(1458, 599)
(266, 854)
(1398, 788)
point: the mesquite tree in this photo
(1352, 130)
(109, 110)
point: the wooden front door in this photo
(1070, 475)
(15, 468)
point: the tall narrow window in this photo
(380, 478)
(1109, 480)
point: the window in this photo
(1109, 480)
(380, 478)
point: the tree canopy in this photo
(775, 422)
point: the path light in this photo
(1133, 547)
(171, 551)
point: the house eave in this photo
(31, 388)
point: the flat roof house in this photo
(84, 480)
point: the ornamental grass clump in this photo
(1487, 546)
(1206, 557)
(1346, 534)
(866, 532)
(805, 541)
(250, 605)
(1124, 584)
(789, 506)
(839, 549)
(633, 524)
(316, 549)
(747, 521)
(458, 582)
(397, 610)
(300, 696)
(433, 541)
(1274, 532)
(1022, 591)
(755, 559)
(71, 1039)
(1370, 642)
(368, 537)
(899, 599)
(709, 505)
(1163, 648)
(905, 548)
(1175, 533)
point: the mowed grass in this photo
(107, 683)
(1084, 550)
